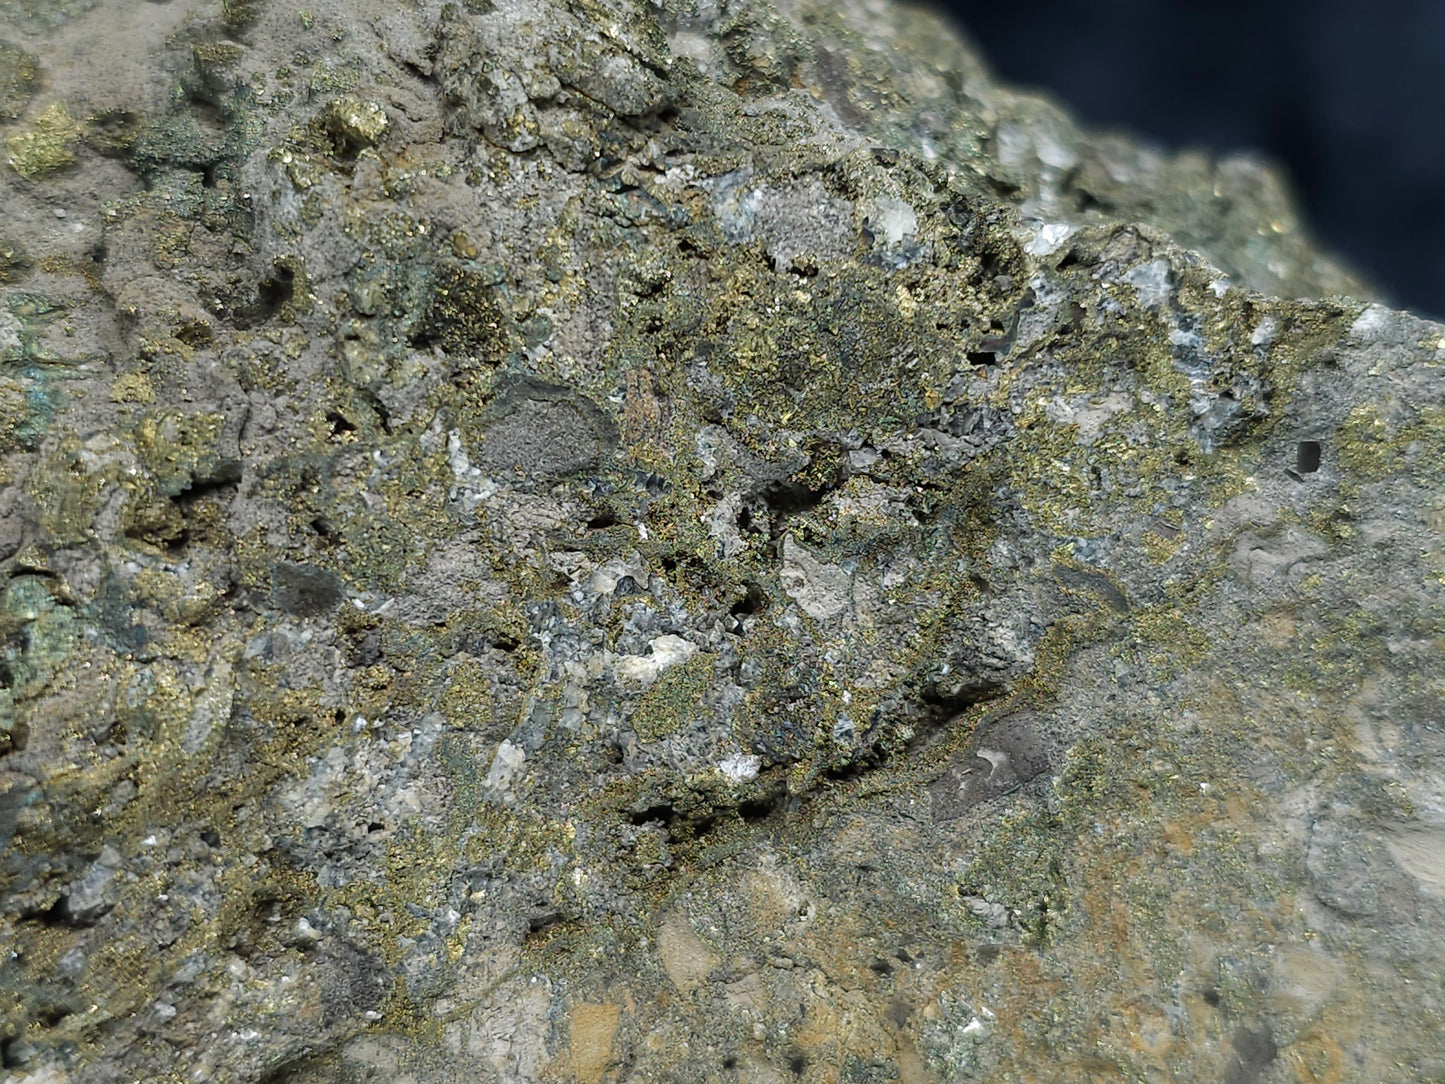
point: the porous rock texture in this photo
(552, 540)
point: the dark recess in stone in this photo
(271, 295)
(225, 475)
(753, 601)
(339, 424)
(302, 1070)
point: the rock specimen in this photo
(546, 540)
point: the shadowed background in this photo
(1348, 98)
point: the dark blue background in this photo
(1348, 96)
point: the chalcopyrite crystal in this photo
(690, 540)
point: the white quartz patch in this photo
(505, 766)
(1089, 415)
(1264, 332)
(1370, 322)
(821, 589)
(1050, 237)
(9, 333)
(1152, 281)
(666, 652)
(893, 220)
(740, 767)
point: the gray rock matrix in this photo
(548, 540)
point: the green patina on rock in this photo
(19, 76)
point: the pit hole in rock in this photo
(340, 426)
(793, 498)
(277, 290)
(754, 601)
(272, 908)
(220, 485)
(1307, 456)
(757, 810)
(687, 565)
(18, 736)
(604, 519)
(226, 475)
(195, 334)
(14, 1052)
(383, 415)
(303, 1070)
(51, 1015)
(271, 295)
(662, 813)
(54, 917)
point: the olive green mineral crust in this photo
(46, 146)
(575, 542)
(19, 78)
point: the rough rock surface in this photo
(690, 540)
